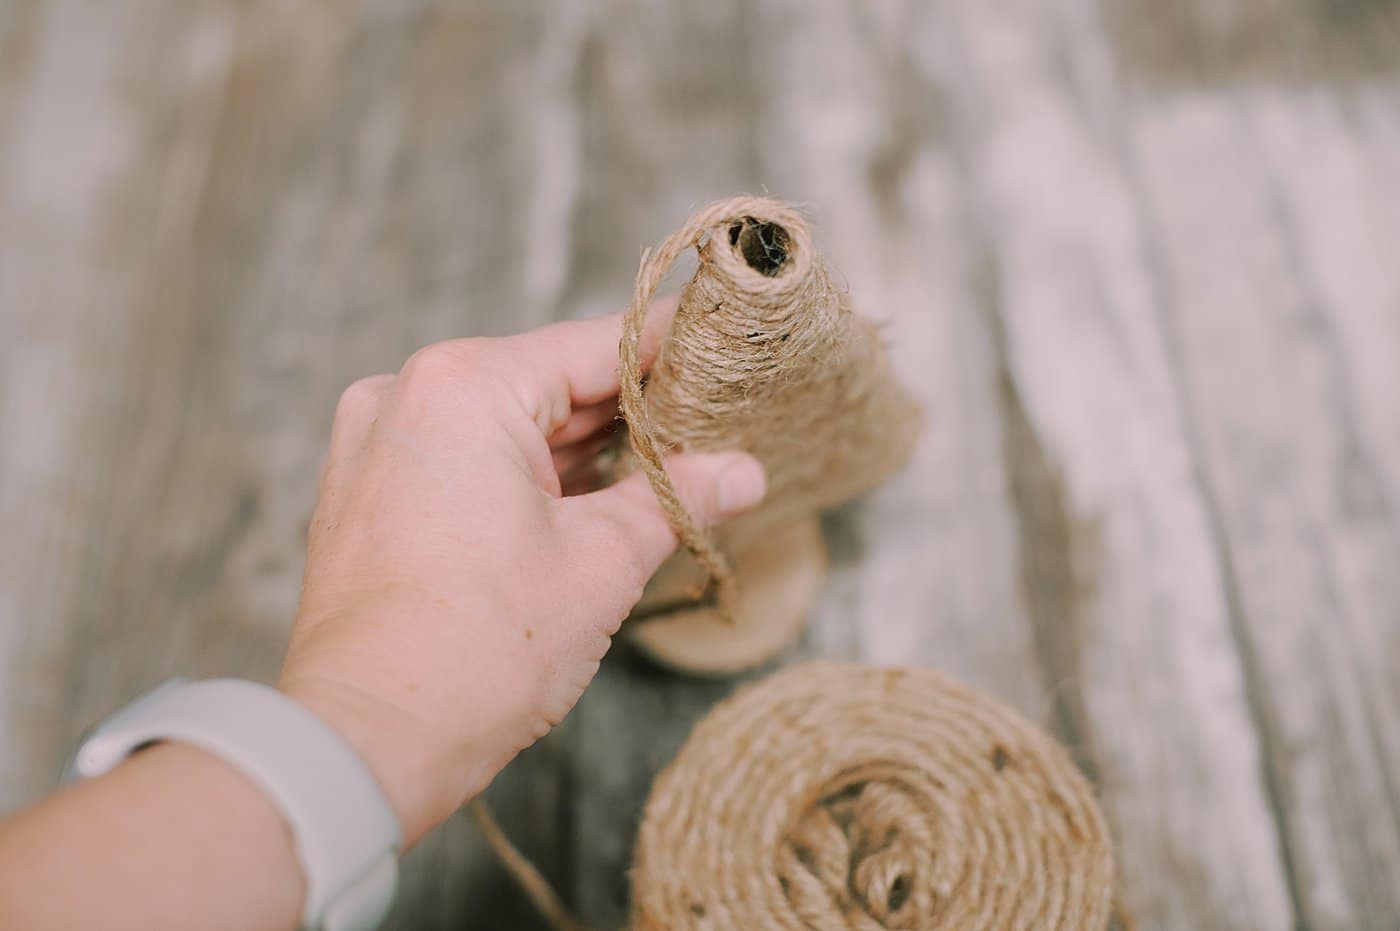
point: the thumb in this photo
(713, 487)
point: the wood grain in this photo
(1136, 261)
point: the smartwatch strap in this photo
(346, 835)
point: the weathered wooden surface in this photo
(1138, 259)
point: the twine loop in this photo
(783, 292)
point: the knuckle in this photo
(360, 396)
(443, 363)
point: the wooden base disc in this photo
(779, 577)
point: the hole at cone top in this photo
(764, 246)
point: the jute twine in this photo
(837, 797)
(767, 356)
(828, 796)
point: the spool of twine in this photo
(765, 355)
(832, 797)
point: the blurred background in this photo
(1140, 260)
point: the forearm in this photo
(173, 838)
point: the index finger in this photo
(575, 363)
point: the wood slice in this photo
(779, 578)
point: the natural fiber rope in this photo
(838, 797)
(835, 796)
(828, 796)
(536, 888)
(768, 358)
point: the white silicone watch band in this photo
(347, 837)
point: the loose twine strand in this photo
(656, 264)
(536, 888)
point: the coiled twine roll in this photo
(839, 797)
(833, 796)
(767, 356)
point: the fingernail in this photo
(741, 483)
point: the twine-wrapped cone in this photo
(832, 797)
(765, 355)
(839, 797)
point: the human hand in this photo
(456, 602)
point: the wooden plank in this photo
(19, 37)
(1256, 192)
(201, 250)
(904, 245)
(387, 204)
(1144, 293)
(906, 270)
(1305, 503)
(926, 567)
(883, 183)
(1278, 296)
(95, 190)
(1210, 42)
(1119, 554)
(665, 103)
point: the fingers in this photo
(551, 371)
(574, 363)
(568, 459)
(625, 527)
(583, 423)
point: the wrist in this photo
(398, 750)
(174, 837)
